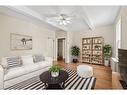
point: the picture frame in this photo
(20, 42)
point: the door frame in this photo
(57, 48)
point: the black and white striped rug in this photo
(74, 82)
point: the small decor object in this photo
(75, 53)
(20, 42)
(107, 54)
(55, 70)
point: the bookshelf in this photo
(92, 50)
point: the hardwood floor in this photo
(115, 81)
(102, 73)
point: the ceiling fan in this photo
(61, 19)
(64, 19)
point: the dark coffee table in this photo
(54, 82)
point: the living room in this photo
(32, 33)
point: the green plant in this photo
(107, 51)
(55, 68)
(75, 51)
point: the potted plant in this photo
(55, 70)
(75, 53)
(107, 54)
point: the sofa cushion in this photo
(38, 58)
(28, 59)
(25, 69)
(37, 66)
(43, 64)
(15, 72)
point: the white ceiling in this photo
(98, 16)
(102, 15)
(83, 17)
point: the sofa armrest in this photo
(1, 77)
(49, 59)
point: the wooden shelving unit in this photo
(92, 50)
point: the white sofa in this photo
(25, 71)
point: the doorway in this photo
(61, 49)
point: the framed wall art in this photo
(20, 42)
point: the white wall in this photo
(107, 32)
(123, 15)
(10, 24)
(61, 34)
(70, 43)
(124, 27)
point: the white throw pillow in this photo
(28, 59)
(4, 63)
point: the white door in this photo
(50, 47)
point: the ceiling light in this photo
(63, 19)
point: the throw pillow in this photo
(4, 63)
(28, 59)
(13, 62)
(38, 58)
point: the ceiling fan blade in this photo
(69, 18)
(51, 15)
(53, 19)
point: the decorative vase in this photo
(54, 74)
(106, 63)
(75, 60)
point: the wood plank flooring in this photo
(115, 81)
(102, 73)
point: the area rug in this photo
(74, 82)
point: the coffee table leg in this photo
(45, 85)
(62, 85)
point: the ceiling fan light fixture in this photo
(60, 23)
(63, 19)
(60, 17)
(68, 21)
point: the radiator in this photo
(114, 65)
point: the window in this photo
(118, 36)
